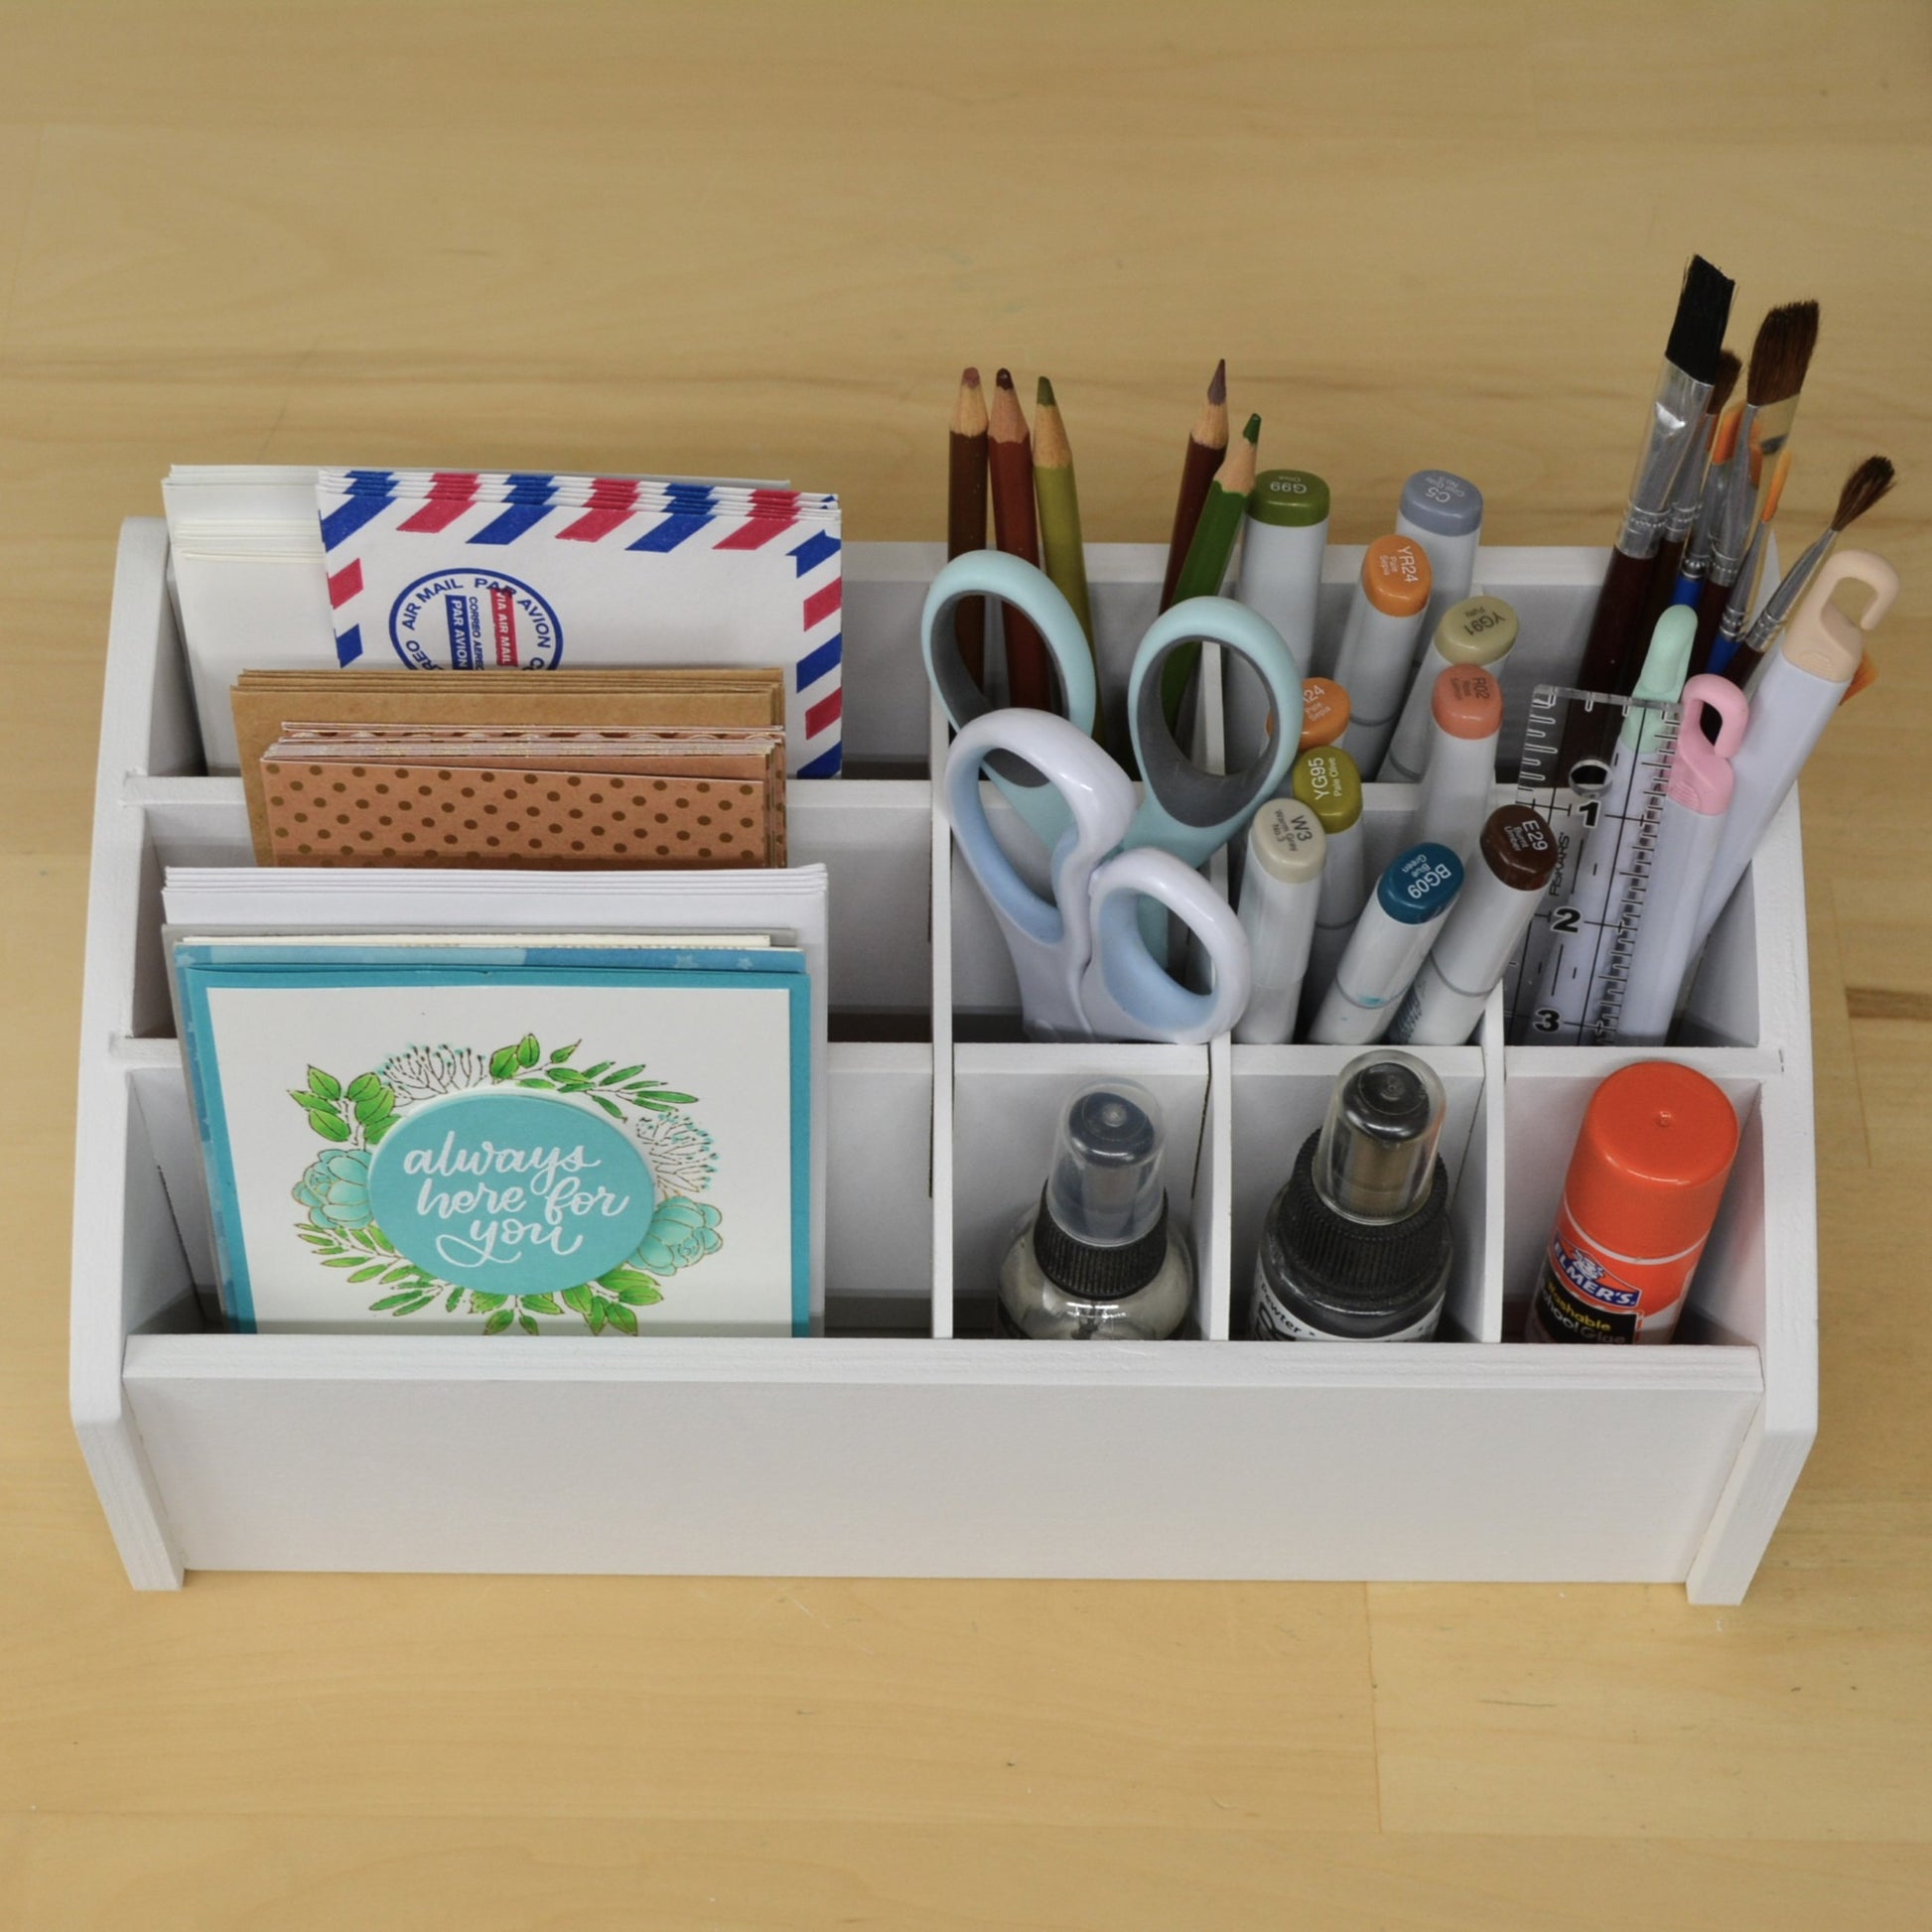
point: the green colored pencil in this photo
(1064, 554)
(1208, 557)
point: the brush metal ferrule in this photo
(1775, 422)
(1687, 490)
(1710, 513)
(1676, 411)
(1792, 586)
(1738, 611)
(1730, 536)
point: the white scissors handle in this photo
(1050, 943)
(1125, 991)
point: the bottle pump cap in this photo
(1104, 1190)
(1376, 1160)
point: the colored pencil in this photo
(1015, 529)
(1207, 443)
(1208, 556)
(966, 513)
(1059, 506)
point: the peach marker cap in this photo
(1467, 703)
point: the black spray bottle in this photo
(1357, 1246)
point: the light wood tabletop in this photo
(762, 239)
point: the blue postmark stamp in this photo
(466, 620)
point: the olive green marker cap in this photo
(1326, 781)
(1478, 630)
(1294, 499)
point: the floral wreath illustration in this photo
(356, 1114)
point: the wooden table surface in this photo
(763, 241)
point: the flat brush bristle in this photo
(1866, 484)
(1697, 332)
(1729, 370)
(1782, 353)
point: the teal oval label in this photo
(511, 1193)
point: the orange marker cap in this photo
(1395, 576)
(1325, 712)
(1466, 703)
(1651, 1162)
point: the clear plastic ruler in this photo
(1566, 987)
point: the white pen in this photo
(1444, 514)
(1387, 948)
(1513, 860)
(1378, 644)
(1798, 688)
(1688, 826)
(1281, 887)
(1479, 633)
(1468, 719)
(1326, 781)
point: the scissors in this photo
(1084, 968)
(1184, 809)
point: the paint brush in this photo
(966, 513)
(1780, 357)
(1684, 385)
(1207, 443)
(1868, 483)
(1681, 518)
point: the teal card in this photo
(504, 1139)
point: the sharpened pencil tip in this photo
(970, 377)
(1044, 393)
(1003, 378)
(1252, 433)
(1218, 388)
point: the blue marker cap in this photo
(1420, 885)
(1445, 505)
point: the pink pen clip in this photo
(1701, 777)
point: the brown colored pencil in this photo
(1015, 529)
(966, 514)
(1206, 445)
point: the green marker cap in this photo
(1292, 498)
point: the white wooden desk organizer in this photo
(900, 1444)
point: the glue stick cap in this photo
(1328, 782)
(1395, 576)
(1376, 1158)
(1478, 630)
(1445, 505)
(1651, 1161)
(1290, 499)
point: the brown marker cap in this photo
(1518, 846)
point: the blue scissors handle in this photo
(1125, 991)
(1185, 809)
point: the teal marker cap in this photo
(1420, 885)
(1290, 499)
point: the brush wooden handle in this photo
(1619, 611)
(1712, 601)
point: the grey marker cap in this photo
(1445, 505)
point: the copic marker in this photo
(1514, 858)
(1467, 721)
(1478, 633)
(1281, 887)
(1378, 644)
(1328, 782)
(1387, 948)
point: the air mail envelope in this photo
(609, 572)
